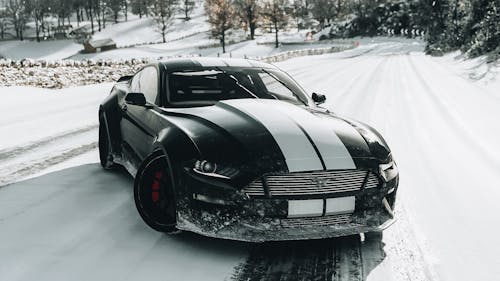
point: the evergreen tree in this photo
(487, 37)
(323, 11)
(299, 12)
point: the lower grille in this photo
(313, 183)
(316, 221)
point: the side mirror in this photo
(318, 98)
(135, 99)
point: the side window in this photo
(148, 84)
(134, 85)
(275, 88)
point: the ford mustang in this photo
(236, 149)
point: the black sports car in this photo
(236, 149)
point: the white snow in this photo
(443, 130)
(29, 115)
(41, 128)
(48, 50)
(138, 31)
(80, 222)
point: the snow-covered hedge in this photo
(66, 73)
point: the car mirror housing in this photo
(318, 98)
(135, 99)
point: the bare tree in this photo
(37, 9)
(186, 7)
(4, 21)
(221, 15)
(78, 7)
(90, 8)
(125, 9)
(163, 13)
(16, 11)
(102, 8)
(115, 6)
(248, 11)
(140, 7)
(274, 12)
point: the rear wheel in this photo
(105, 155)
(153, 194)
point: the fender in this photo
(178, 148)
(110, 109)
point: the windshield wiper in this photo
(285, 85)
(237, 82)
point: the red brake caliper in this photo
(155, 188)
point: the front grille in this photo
(316, 221)
(313, 183)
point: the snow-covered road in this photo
(80, 223)
(444, 132)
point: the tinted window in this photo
(148, 84)
(217, 84)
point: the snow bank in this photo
(65, 73)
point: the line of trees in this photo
(470, 25)
(224, 15)
(16, 14)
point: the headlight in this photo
(388, 171)
(211, 169)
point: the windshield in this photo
(214, 84)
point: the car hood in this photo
(265, 136)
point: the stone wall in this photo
(66, 73)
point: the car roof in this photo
(195, 62)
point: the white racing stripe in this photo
(322, 132)
(298, 151)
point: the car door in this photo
(137, 125)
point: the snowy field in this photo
(63, 218)
(139, 38)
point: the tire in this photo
(105, 156)
(154, 194)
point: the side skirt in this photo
(128, 159)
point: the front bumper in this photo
(235, 216)
(274, 229)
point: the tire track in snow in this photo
(452, 117)
(338, 259)
(9, 153)
(370, 84)
(28, 168)
(47, 113)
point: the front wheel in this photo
(153, 194)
